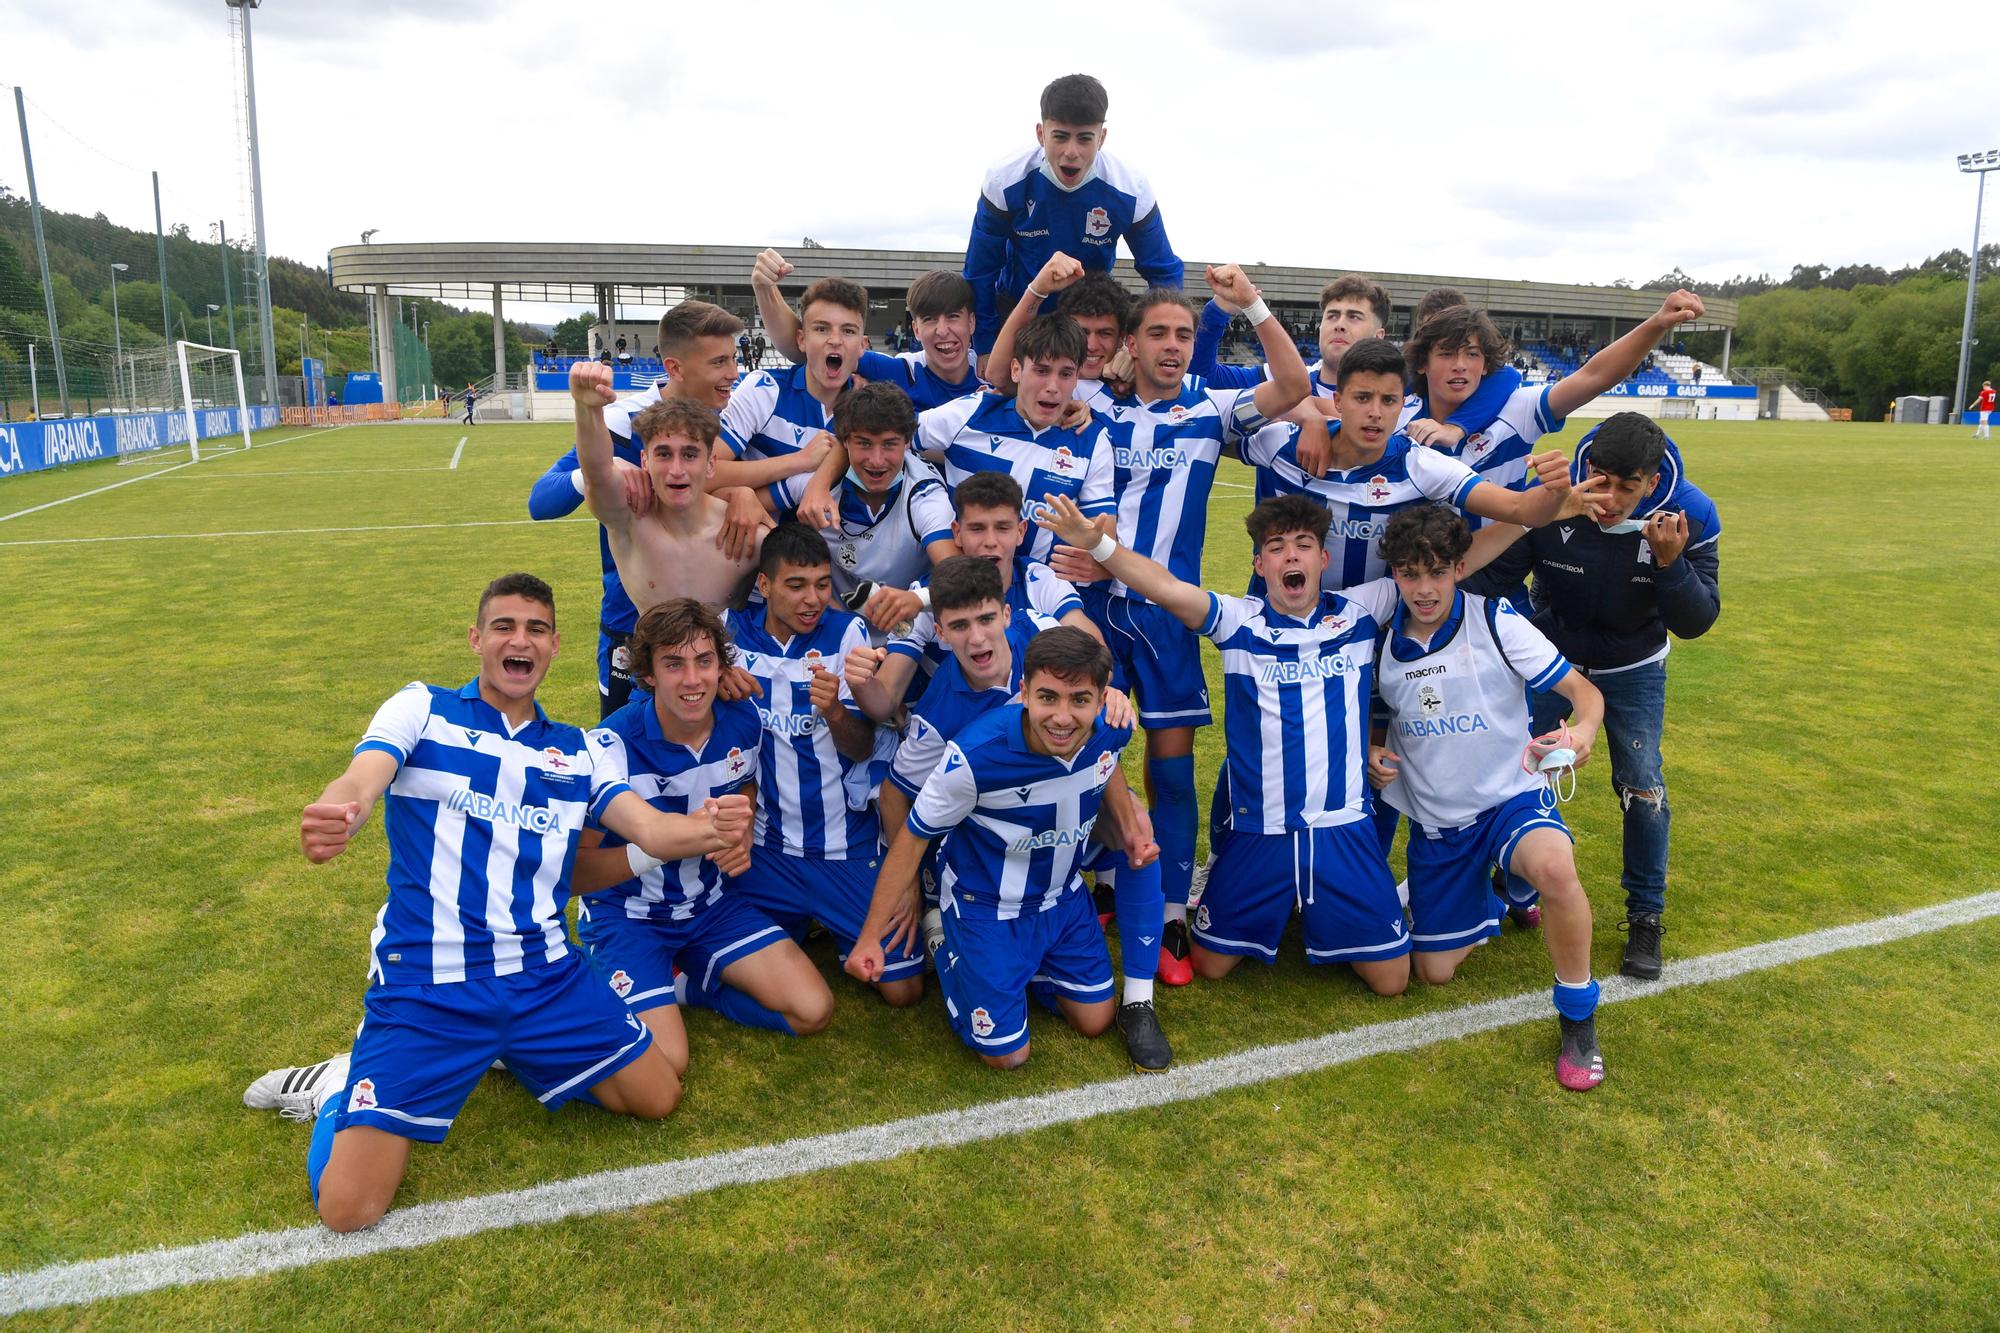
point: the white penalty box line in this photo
(643, 1186)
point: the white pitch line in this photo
(643, 1186)
(145, 476)
(288, 532)
(300, 472)
(456, 452)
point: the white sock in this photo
(1137, 991)
(1177, 912)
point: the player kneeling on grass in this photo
(1451, 669)
(1017, 800)
(672, 933)
(469, 961)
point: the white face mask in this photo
(1622, 525)
(1553, 759)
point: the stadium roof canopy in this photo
(604, 275)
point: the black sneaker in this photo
(1579, 1065)
(1642, 945)
(1144, 1042)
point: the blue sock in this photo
(1142, 908)
(1576, 1002)
(738, 1007)
(324, 1128)
(1174, 814)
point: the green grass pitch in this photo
(1810, 1147)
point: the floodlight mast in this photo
(262, 252)
(1978, 164)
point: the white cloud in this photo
(1568, 141)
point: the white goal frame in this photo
(181, 349)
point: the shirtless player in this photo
(671, 551)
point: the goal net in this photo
(197, 392)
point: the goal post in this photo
(207, 353)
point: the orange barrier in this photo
(1840, 413)
(343, 415)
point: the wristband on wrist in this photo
(635, 856)
(1257, 312)
(1107, 545)
(923, 596)
(1037, 292)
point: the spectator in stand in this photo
(743, 349)
(1697, 372)
(758, 345)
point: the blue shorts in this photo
(639, 955)
(794, 889)
(987, 967)
(423, 1048)
(1337, 878)
(1155, 657)
(1451, 872)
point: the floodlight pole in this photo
(1980, 164)
(42, 257)
(257, 204)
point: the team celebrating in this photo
(876, 631)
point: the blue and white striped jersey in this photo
(672, 777)
(1499, 453)
(948, 706)
(770, 414)
(1163, 465)
(887, 546)
(1024, 217)
(812, 800)
(483, 822)
(1459, 714)
(911, 372)
(985, 433)
(1297, 714)
(1016, 824)
(1037, 595)
(1361, 500)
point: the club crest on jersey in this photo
(736, 761)
(621, 658)
(1479, 443)
(982, 1023)
(1377, 490)
(1333, 624)
(1105, 763)
(621, 983)
(1096, 222)
(1064, 459)
(812, 658)
(362, 1096)
(556, 759)
(1429, 700)
(1177, 414)
(849, 557)
(1201, 917)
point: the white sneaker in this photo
(1198, 883)
(297, 1091)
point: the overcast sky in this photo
(1565, 142)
